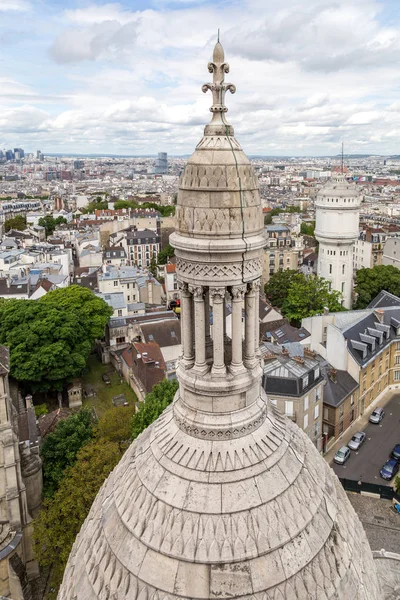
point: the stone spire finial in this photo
(218, 67)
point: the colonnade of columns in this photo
(195, 326)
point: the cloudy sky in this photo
(125, 77)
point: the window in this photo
(397, 375)
(316, 373)
(305, 424)
(305, 381)
(120, 340)
(341, 410)
(330, 269)
(352, 400)
(397, 360)
(120, 312)
(341, 427)
(289, 408)
(326, 414)
(352, 416)
(316, 411)
(305, 403)
(397, 346)
(343, 287)
(115, 283)
(342, 269)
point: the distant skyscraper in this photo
(161, 166)
(79, 164)
(9, 155)
(18, 153)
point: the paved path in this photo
(365, 464)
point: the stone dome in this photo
(222, 497)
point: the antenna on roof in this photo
(218, 36)
(342, 158)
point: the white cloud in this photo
(308, 75)
(15, 5)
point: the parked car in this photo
(377, 415)
(342, 455)
(106, 379)
(395, 453)
(389, 469)
(357, 440)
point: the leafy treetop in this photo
(50, 223)
(299, 296)
(154, 404)
(60, 448)
(369, 282)
(18, 223)
(51, 338)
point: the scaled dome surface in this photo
(222, 497)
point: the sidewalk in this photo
(359, 424)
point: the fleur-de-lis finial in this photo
(218, 67)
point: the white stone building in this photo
(222, 497)
(337, 218)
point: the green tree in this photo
(154, 404)
(115, 425)
(276, 290)
(18, 223)
(307, 228)
(60, 448)
(165, 254)
(51, 338)
(369, 282)
(50, 223)
(153, 266)
(308, 296)
(62, 516)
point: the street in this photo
(365, 464)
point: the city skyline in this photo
(122, 78)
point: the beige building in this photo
(368, 249)
(294, 383)
(283, 251)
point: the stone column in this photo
(256, 286)
(187, 325)
(207, 315)
(237, 293)
(249, 326)
(199, 330)
(218, 295)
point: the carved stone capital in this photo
(256, 285)
(238, 292)
(197, 291)
(183, 287)
(217, 294)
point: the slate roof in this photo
(282, 332)
(384, 299)
(164, 333)
(283, 375)
(338, 388)
(368, 336)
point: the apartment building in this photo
(140, 245)
(364, 344)
(294, 382)
(368, 249)
(135, 284)
(283, 251)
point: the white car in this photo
(377, 415)
(357, 440)
(342, 455)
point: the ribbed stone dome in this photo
(222, 497)
(261, 517)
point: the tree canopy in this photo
(60, 448)
(165, 254)
(308, 228)
(154, 404)
(50, 223)
(18, 223)
(51, 338)
(369, 282)
(62, 516)
(299, 296)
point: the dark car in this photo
(395, 453)
(389, 469)
(106, 379)
(377, 415)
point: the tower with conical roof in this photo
(222, 497)
(336, 229)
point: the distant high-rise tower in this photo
(336, 230)
(161, 166)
